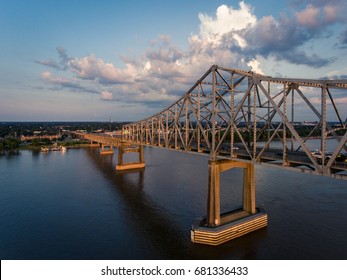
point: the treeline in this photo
(9, 144)
(16, 129)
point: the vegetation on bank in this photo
(17, 129)
(9, 144)
(11, 132)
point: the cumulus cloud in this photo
(255, 66)
(92, 68)
(231, 37)
(330, 13)
(320, 14)
(227, 21)
(285, 38)
(60, 82)
(106, 95)
(310, 16)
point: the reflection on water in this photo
(76, 206)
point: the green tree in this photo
(35, 142)
(46, 141)
(11, 143)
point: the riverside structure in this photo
(235, 117)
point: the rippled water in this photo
(74, 205)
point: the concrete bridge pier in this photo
(218, 228)
(106, 149)
(123, 148)
(94, 144)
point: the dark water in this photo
(74, 205)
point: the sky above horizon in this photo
(126, 60)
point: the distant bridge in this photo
(50, 137)
(239, 119)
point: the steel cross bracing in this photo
(245, 116)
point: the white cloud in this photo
(309, 16)
(71, 84)
(92, 68)
(106, 95)
(330, 13)
(227, 20)
(255, 66)
(165, 72)
(62, 81)
(147, 66)
(232, 37)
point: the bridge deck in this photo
(295, 160)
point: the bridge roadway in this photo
(295, 160)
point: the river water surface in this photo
(74, 205)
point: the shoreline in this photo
(50, 147)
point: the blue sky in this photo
(92, 60)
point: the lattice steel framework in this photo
(246, 116)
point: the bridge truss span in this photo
(244, 116)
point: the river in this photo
(74, 205)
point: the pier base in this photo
(218, 228)
(240, 223)
(130, 165)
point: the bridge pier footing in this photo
(106, 149)
(218, 228)
(123, 149)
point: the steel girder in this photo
(246, 116)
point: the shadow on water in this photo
(153, 225)
(10, 154)
(144, 215)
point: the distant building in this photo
(306, 123)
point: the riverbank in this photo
(47, 148)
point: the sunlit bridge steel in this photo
(239, 119)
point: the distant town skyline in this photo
(126, 60)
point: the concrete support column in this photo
(213, 199)
(120, 155)
(249, 189)
(122, 149)
(215, 168)
(106, 149)
(141, 154)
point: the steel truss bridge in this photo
(241, 119)
(244, 116)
